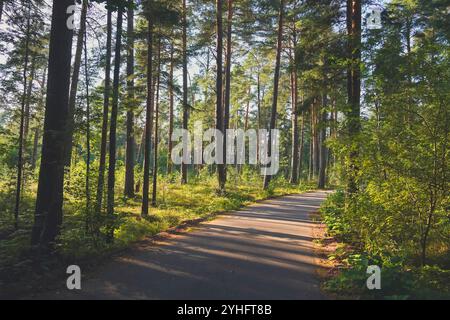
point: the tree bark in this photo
(184, 167)
(219, 87)
(316, 153)
(273, 116)
(302, 142)
(155, 157)
(113, 125)
(130, 148)
(323, 149)
(226, 116)
(35, 149)
(88, 131)
(148, 120)
(353, 87)
(74, 85)
(28, 99)
(49, 200)
(171, 105)
(104, 138)
(22, 123)
(295, 147)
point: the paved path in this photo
(264, 251)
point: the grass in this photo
(76, 245)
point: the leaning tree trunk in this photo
(113, 125)
(148, 121)
(49, 200)
(130, 149)
(74, 85)
(106, 93)
(219, 88)
(273, 116)
(353, 87)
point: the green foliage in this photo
(363, 243)
(176, 204)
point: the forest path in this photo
(264, 251)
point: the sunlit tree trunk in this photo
(130, 148)
(273, 116)
(113, 126)
(226, 116)
(49, 200)
(74, 85)
(219, 87)
(22, 122)
(28, 99)
(88, 132)
(323, 150)
(353, 87)
(155, 158)
(171, 106)
(106, 94)
(302, 142)
(184, 166)
(148, 121)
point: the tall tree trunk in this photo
(88, 130)
(323, 149)
(40, 107)
(35, 149)
(353, 87)
(294, 99)
(294, 150)
(226, 115)
(113, 125)
(311, 134)
(22, 123)
(140, 152)
(49, 200)
(28, 99)
(171, 105)
(302, 142)
(247, 111)
(273, 116)
(74, 85)
(184, 166)
(104, 138)
(155, 157)
(316, 144)
(148, 120)
(130, 151)
(219, 88)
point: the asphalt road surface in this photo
(264, 251)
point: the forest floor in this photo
(263, 251)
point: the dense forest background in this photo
(86, 116)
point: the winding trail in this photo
(264, 251)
